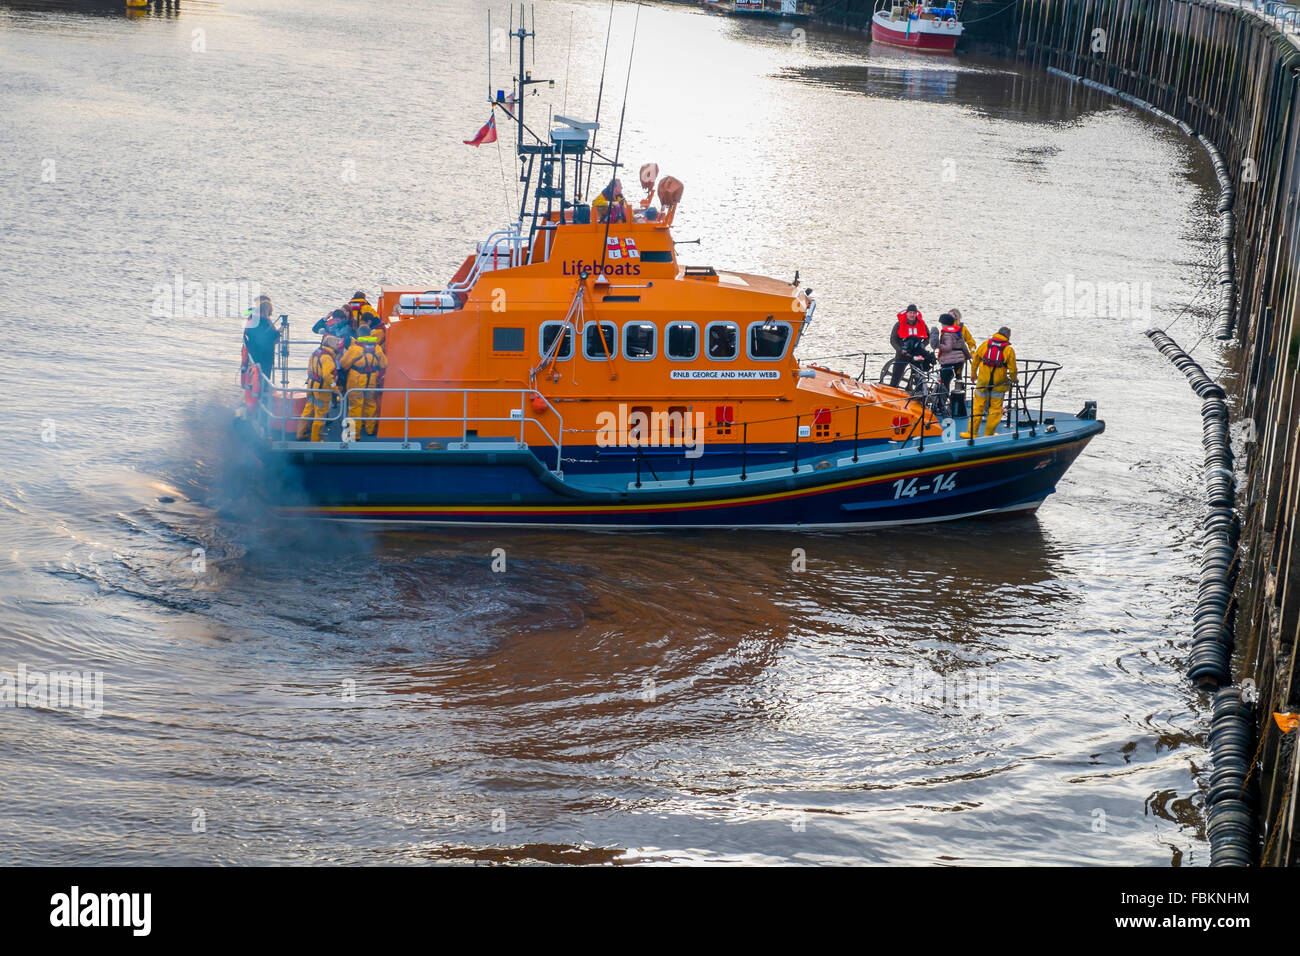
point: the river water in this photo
(978, 693)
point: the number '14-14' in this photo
(911, 487)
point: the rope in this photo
(1273, 830)
(1190, 302)
(505, 190)
(991, 15)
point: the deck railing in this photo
(515, 245)
(276, 411)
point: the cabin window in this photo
(551, 331)
(683, 341)
(767, 340)
(508, 340)
(593, 348)
(656, 255)
(723, 339)
(639, 340)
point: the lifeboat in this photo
(927, 27)
(574, 371)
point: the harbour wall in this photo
(1228, 75)
(1232, 76)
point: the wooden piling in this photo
(1235, 79)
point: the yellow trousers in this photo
(363, 407)
(314, 411)
(986, 400)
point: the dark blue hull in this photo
(506, 485)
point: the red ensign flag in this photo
(488, 133)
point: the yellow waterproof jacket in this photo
(360, 310)
(994, 374)
(322, 369)
(363, 362)
(600, 209)
(367, 310)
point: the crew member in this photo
(336, 324)
(322, 379)
(956, 344)
(909, 337)
(610, 206)
(360, 310)
(364, 363)
(994, 369)
(260, 338)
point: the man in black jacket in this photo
(910, 338)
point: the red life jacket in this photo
(995, 352)
(917, 331)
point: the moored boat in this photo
(777, 9)
(924, 26)
(574, 372)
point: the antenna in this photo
(600, 94)
(489, 75)
(618, 143)
(524, 79)
(567, 63)
(532, 10)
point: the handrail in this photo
(513, 238)
(864, 356)
(275, 418)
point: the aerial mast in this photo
(523, 80)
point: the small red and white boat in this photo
(920, 25)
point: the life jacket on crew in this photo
(319, 374)
(609, 209)
(368, 363)
(365, 367)
(246, 365)
(912, 331)
(995, 353)
(952, 342)
(359, 311)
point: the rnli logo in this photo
(625, 248)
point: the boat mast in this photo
(523, 81)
